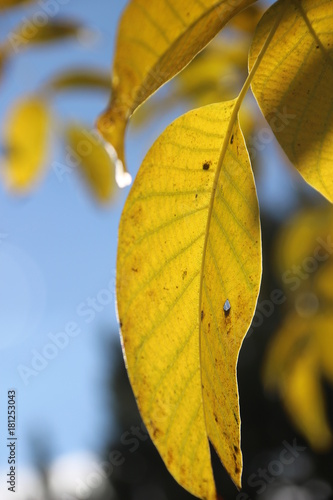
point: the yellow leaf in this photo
(93, 162)
(189, 246)
(25, 140)
(301, 353)
(248, 19)
(303, 241)
(323, 282)
(294, 85)
(325, 338)
(294, 364)
(156, 40)
(285, 347)
(303, 396)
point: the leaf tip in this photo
(123, 178)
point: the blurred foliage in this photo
(28, 34)
(216, 74)
(93, 161)
(77, 79)
(8, 4)
(301, 353)
(30, 121)
(248, 19)
(26, 143)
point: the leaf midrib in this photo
(313, 32)
(232, 120)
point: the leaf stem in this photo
(240, 98)
(233, 118)
(258, 61)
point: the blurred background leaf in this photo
(26, 143)
(300, 355)
(8, 4)
(93, 161)
(30, 34)
(79, 78)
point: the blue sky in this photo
(58, 251)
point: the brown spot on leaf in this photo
(184, 274)
(202, 315)
(206, 165)
(134, 269)
(170, 457)
(232, 139)
(156, 431)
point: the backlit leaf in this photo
(26, 143)
(93, 162)
(156, 40)
(189, 246)
(294, 85)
